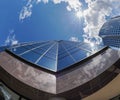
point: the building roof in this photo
(54, 55)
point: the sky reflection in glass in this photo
(55, 55)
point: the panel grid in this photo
(54, 55)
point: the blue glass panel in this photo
(56, 55)
(61, 56)
(42, 44)
(79, 55)
(39, 50)
(75, 49)
(30, 56)
(46, 46)
(28, 47)
(87, 47)
(18, 50)
(64, 62)
(52, 53)
(42, 50)
(38, 44)
(61, 49)
(71, 49)
(68, 45)
(47, 63)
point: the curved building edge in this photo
(27, 80)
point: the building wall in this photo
(73, 84)
(111, 90)
(12, 74)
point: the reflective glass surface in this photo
(110, 32)
(30, 56)
(54, 55)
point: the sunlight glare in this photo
(79, 14)
(92, 44)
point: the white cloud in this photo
(94, 15)
(11, 40)
(72, 4)
(45, 1)
(25, 12)
(38, 1)
(74, 39)
(27, 9)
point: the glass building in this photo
(55, 70)
(110, 32)
(54, 55)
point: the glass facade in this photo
(55, 55)
(110, 32)
(8, 94)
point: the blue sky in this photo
(36, 20)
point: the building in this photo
(55, 70)
(110, 32)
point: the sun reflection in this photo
(92, 44)
(93, 47)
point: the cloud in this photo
(11, 40)
(75, 39)
(94, 14)
(27, 9)
(25, 12)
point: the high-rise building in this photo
(55, 70)
(110, 32)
